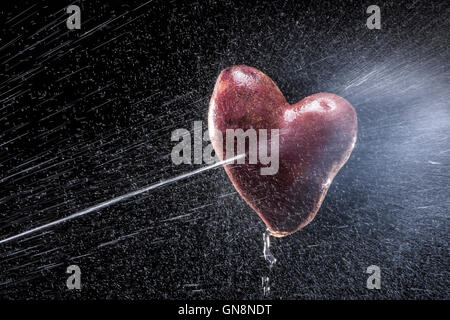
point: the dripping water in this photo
(268, 256)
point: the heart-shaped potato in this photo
(316, 137)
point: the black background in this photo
(86, 115)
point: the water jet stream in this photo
(126, 196)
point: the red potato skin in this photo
(316, 138)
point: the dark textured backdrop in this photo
(87, 115)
